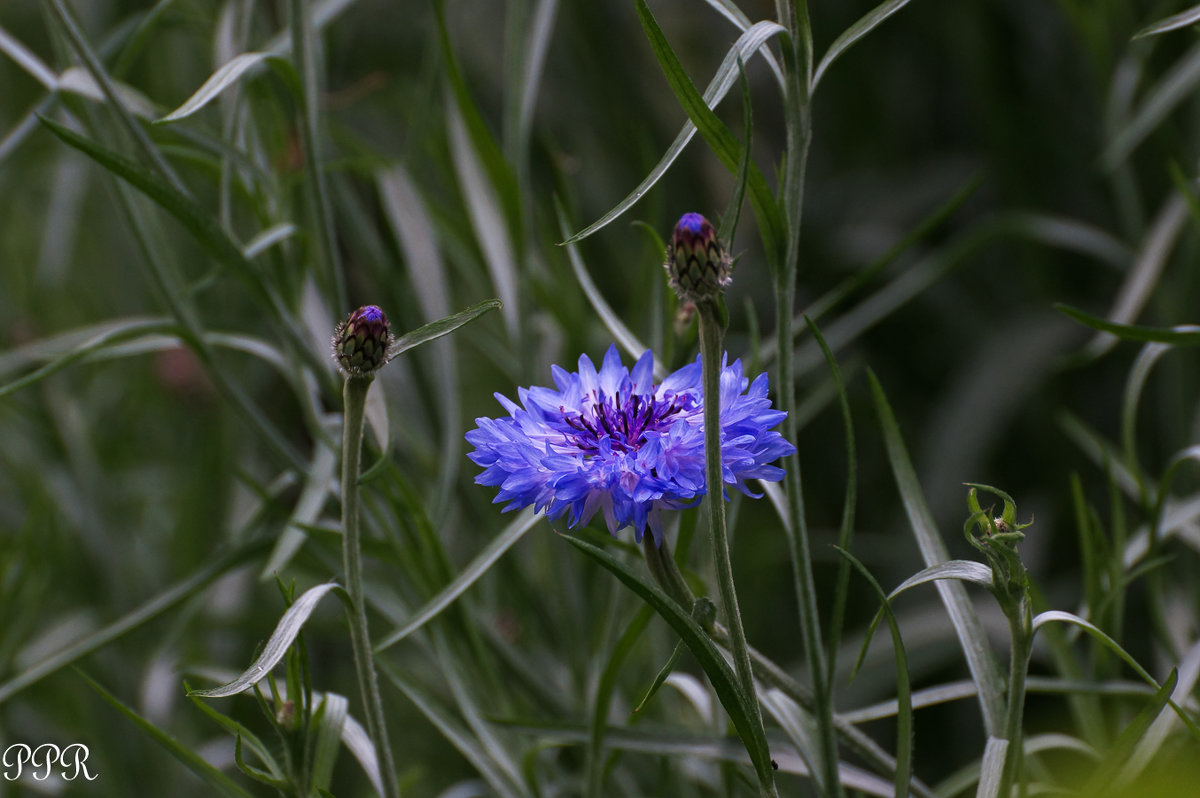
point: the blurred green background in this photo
(1025, 152)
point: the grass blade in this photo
(217, 82)
(753, 39)
(985, 671)
(285, 633)
(1174, 22)
(490, 555)
(436, 329)
(698, 642)
(221, 783)
(904, 729)
(853, 34)
(1179, 335)
(717, 135)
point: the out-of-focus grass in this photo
(134, 469)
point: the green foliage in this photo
(983, 205)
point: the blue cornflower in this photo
(614, 442)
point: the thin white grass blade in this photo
(792, 719)
(78, 80)
(317, 487)
(985, 672)
(620, 333)
(333, 710)
(696, 694)
(849, 37)
(27, 60)
(223, 78)
(991, 772)
(775, 495)
(729, 10)
(962, 570)
(487, 218)
(1181, 20)
(285, 632)
(359, 744)
(727, 74)
(1151, 742)
(536, 45)
(1176, 86)
(524, 521)
(414, 231)
(1143, 277)
(269, 238)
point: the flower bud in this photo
(697, 263)
(361, 342)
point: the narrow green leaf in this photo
(717, 135)
(436, 329)
(229, 73)
(286, 630)
(853, 34)
(490, 555)
(1118, 759)
(1051, 616)
(1174, 22)
(1180, 335)
(985, 672)
(193, 761)
(719, 673)
(245, 737)
(904, 728)
(202, 225)
(752, 40)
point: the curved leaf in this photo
(223, 78)
(1181, 20)
(985, 672)
(286, 630)
(436, 329)
(1180, 335)
(867, 23)
(1051, 616)
(754, 38)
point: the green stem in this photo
(1021, 630)
(797, 110)
(665, 572)
(710, 356)
(355, 398)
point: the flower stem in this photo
(355, 399)
(1021, 631)
(711, 333)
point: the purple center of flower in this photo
(624, 420)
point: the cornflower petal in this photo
(609, 441)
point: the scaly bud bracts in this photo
(361, 342)
(697, 263)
